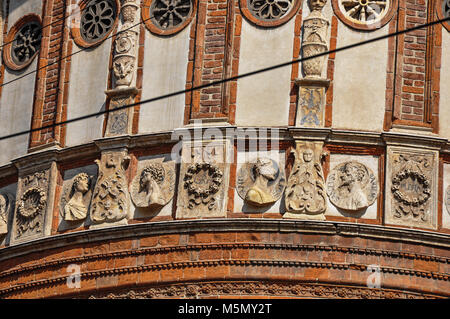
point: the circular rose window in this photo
(269, 13)
(364, 14)
(23, 42)
(166, 17)
(98, 18)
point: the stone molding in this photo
(421, 237)
(256, 246)
(255, 288)
(214, 263)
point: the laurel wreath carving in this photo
(422, 179)
(32, 202)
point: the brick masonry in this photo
(197, 257)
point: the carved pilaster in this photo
(312, 88)
(34, 203)
(411, 187)
(203, 180)
(124, 70)
(305, 195)
(111, 201)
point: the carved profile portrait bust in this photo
(4, 210)
(352, 186)
(76, 208)
(153, 185)
(260, 183)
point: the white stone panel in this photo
(11, 190)
(263, 99)
(166, 210)
(359, 84)
(88, 82)
(372, 163)
(165, 68)
(16, 104)
(239, 204)
(444, 100)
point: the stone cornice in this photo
(227, 224)
(328, 135)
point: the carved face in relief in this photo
(352, 174)
(317, 5)
(81, 183)
(264, 168)
(151, 177)
(308, 155)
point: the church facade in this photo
(171, 149)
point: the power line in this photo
(161, 97)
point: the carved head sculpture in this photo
(151, 173)
(264, 168)
(317, 5)
(352, 174)
(81, 183)
(308, 155)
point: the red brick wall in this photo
(285, 260)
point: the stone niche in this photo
(274, 182)
(203, 183)
(411, 187)
(352, 186)
(153, 187)
(76, 195)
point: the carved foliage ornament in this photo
(411, 187)
(32, 204)
(110, 201)
(305, 194)
(153, 185)
(202, 181)
(260, 183)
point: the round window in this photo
(23, 42)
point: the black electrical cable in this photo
(226, 80)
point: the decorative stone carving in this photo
(110, 201)
(76, 198)
(305, 195)
(411, 187)
(97, 19)
(260, 183)
(315, 28)
(154, 185)
(310, 104)
(352, 186)
(203, 181)
(124, 70)
(364, 11)
(446, 8)
(169, 14)
(31, 205)
(269, 9)
(6, 203)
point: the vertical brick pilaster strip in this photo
(295, 68)
(4, 33)
(49, 92)
(434, 56)
(390, 75)
(210, 59)
(330, 72)
(139, 77)
(190, 68)
(235, 53)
